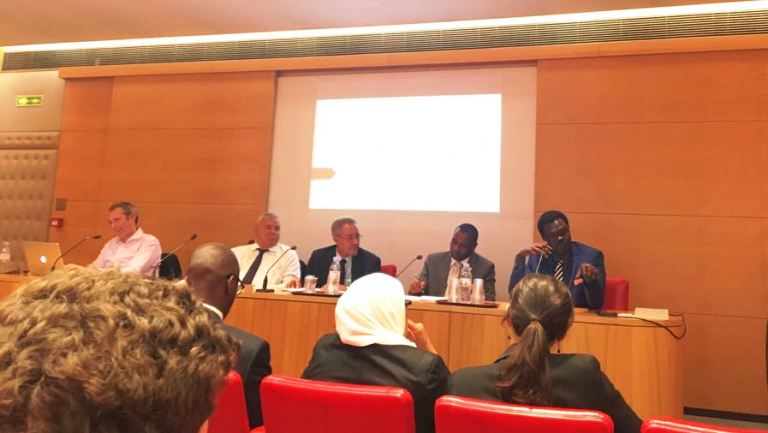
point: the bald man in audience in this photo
(213, 277)
(256, 259)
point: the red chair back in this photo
(230, 415)
(292, 405)
(389, 269)
(616, 294)
(669, 425)
(461, 415)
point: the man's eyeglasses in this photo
(234, 277)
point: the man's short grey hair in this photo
(341, 222)
(267, 216)
(127, 207)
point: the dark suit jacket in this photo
(580, 253)
(577, 382)
(422, 373)
(363, 263)
(438, 265)
(252, 366)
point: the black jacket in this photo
(252, 366)
(577, 382)
(363, 263)
(422, 373)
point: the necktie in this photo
(453, 273)
(343, 272)
(560, 270)
(254, 267)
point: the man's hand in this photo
(538, 249)
(291, 282)
(416, 287)
(587, 272)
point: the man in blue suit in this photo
(578, 265)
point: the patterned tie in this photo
(453, 273)
(560, 270)
(254, 267)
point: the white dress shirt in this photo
(288, 265)
(139, 253)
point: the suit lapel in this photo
(575, 263)
(357, 265)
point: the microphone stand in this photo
(87, 238)
(266, 274)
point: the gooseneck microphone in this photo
(266, 274)
(87, 238)
(419, 257)
(191, 238)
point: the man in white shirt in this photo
(256, 260)
(131, 250)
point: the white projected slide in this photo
(452, 143)
(410, 154)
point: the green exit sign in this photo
(29, 100)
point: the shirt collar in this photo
(214, 310)
(463, 262)
(136, 235)
(256, 247)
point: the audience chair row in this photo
(293, 405)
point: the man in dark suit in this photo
(213, 277)
(440, 267)
(579, 266)
(355, 262)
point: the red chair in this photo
(616, 294)
(292, 405)
(389, 269)
(230, 415)
(461, 415)
(669, 425)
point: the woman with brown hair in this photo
(540, 313)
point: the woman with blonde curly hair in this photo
(83, 350)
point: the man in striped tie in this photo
(578, 265)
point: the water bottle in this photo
(5, 257)
(334, 274)
(465, 283)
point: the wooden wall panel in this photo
(738, 370)
(706, 169)
(685, 264)
(81, 161)
(87, 104)
(664, 159)
(235, 100)
(187, 164)
(192, 152)
(723, 86)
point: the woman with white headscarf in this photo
(369, 347)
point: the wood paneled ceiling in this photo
(32, 22)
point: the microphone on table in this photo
(266, 274)
(87, 238)
(419, 257)
(191, 238)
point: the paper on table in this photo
(424, 298)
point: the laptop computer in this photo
(40, 256)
